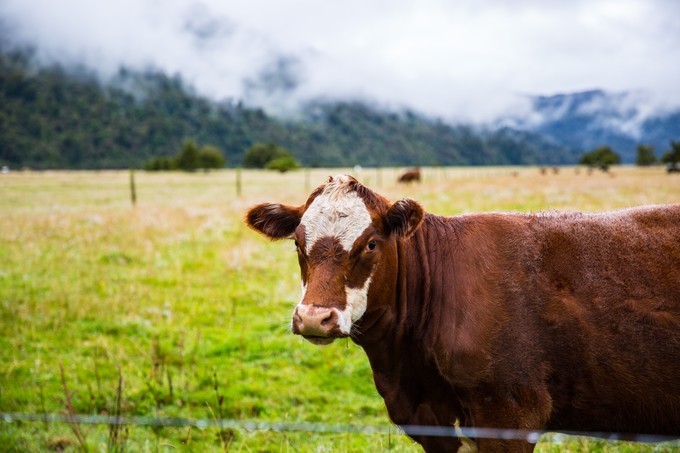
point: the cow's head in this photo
(345, 236)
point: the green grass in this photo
(192, 309)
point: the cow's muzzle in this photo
(317, 324)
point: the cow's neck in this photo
(409, 309)
(395, 339)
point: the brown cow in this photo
(409, 176)
(559, 321)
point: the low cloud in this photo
(463, 61)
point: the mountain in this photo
(57, 117)
(586, 120)
(354, 132)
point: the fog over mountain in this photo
(580, 73)
(592, 118)
(462, 61)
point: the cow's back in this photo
(617, 256)
(603, 297)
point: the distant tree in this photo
(673, 154)
(260, 154)
(283, 163)
(189, 158)
(211, 157)
(602, 157)
(672, 157)
(163, 163)
(645, 155)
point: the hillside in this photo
(57, 117)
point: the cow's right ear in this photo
(276, 221)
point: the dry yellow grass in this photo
(443, 190)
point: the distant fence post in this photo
(238, 181)
(133, 190)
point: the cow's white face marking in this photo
(357, 301)
(302, 297)
(340, 213)
(337, 212)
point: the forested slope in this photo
(56, 117)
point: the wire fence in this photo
(412, 430)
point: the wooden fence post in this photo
(133, 190)
(238, 181)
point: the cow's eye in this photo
(371, 245)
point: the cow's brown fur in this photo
(558, 321)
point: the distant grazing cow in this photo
(555, 321)
(412, 175)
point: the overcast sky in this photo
(463, 60)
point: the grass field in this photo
(178, 301)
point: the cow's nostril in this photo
(327, 319)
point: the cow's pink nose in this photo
(314, 321)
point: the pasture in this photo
(173, 308)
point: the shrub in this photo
(283, 163)
(211, 157)
(189, 158)
(602, 158)
(645, 155)
(672, 156)
(260, 154)
(160, 163)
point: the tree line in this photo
(192, 157)
(604, 156)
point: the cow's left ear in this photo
(276, 221)
(404, 217)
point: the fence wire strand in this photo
(412, 430)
